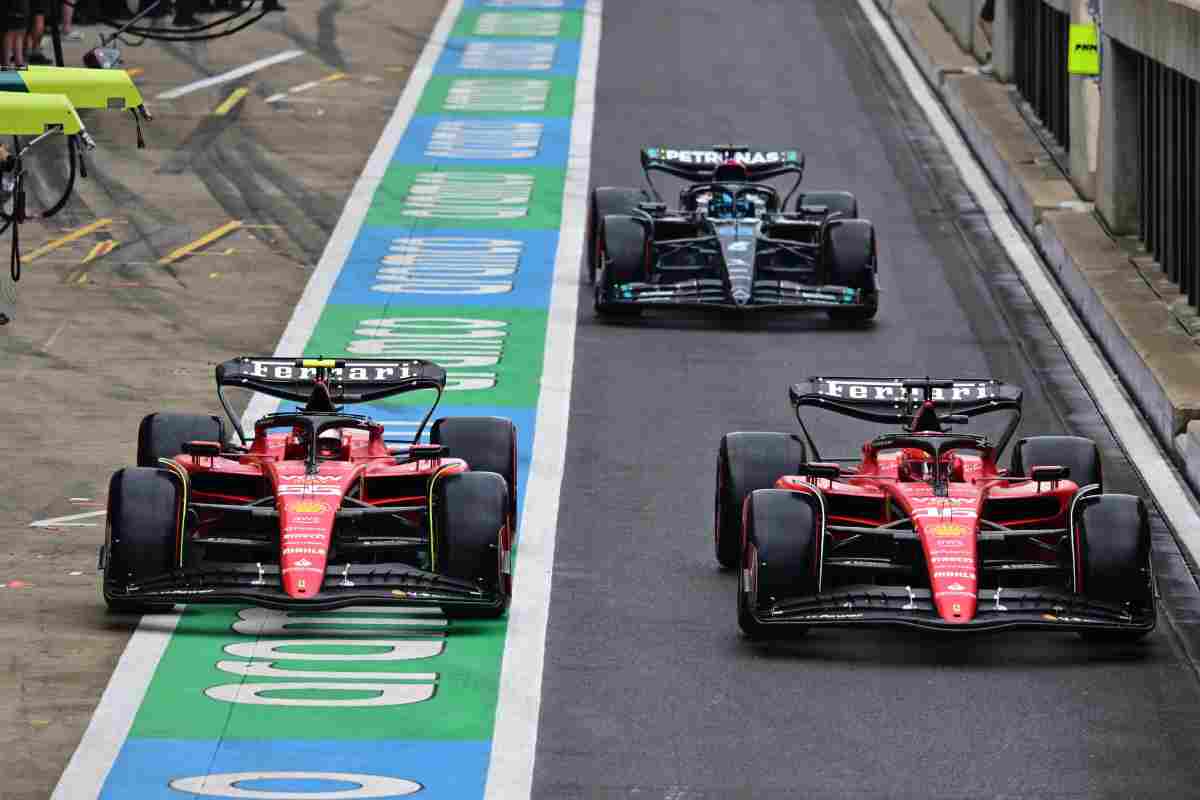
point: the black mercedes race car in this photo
(730, 244)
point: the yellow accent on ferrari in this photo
(319, 363)
(85, 88)
(34, 114)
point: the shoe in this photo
(73, 36)
(987, 69)
(37, 57)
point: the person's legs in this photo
(16, 22)
(987, 16)
(37, 29)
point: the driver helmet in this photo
(916, 465)
(329, 446)
(724, 204)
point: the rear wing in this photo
(322, 382)
(359, 380)
(699, 164)
(898, 400)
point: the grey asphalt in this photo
(649, 689)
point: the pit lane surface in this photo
(649, 687)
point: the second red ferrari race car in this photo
(315, 510)
(925, 528)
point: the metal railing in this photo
(1169, 186)
(1040, 64)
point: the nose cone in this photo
(306, 526)
(950, 552)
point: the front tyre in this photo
(850, 261)
(143, 523)
(747, 461)
(1111, 534)
(607, 200)
(623, 260)
(469, 516)
(781, 558)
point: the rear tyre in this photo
(850, 261)
(143, 521)
(781, 556)
(607, 200)
(843, 204)
(1112, 533)
(622, 260)
(1077, 454)
(469, 516)
(745, 462)
(163, 435)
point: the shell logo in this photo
(948, 530)
(310, 507)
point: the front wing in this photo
(345, 585)
(1004, 609)
(765, 295)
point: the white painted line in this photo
(232, 75)
(89, 766)
(1122, 416)
(514, 741)
(70, 520)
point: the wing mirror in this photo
(821, 469)
(202, 449)
(1049, 474)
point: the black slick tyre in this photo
(1112, 535)
(842, 204)
(143, 523)
(607, 200)
(468, 518)
(849, 248)
(1077, 454)
(163, 435)
(747, 461)
(487, 444)
(622, 260)
(781, 558)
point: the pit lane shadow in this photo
(725, 321)
(914, 649)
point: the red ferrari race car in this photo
(316, 510)
(925, 528)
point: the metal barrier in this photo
(1169, 186)
(1040, 64)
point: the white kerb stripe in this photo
(1123, 418)
(514, 741)
(232, 75)
(89, 766)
